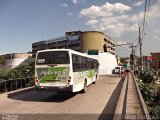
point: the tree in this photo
(2, 60)
(122, 60)
(3, 74)
(147, 87)
(24, 70)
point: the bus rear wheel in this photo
(95, 80)
(85, 87)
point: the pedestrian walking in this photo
(127, 67)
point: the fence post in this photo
(30, 81)
(11, 85)
(16, 84)
(5, 86)
(24, 83)
(21, 83)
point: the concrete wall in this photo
(107, 63)
(14, 62)
(15, 59)
(92, 40)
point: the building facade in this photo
(78, 41)
(14, 59)
(155, 64)
(147, 61)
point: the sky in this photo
(23, 22)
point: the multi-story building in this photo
(147, 61)
(78, 41)
(155, 60)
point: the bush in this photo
(149, 92)
(149, 76)
(147, 87)
(3, 74)
(154, 111)
(19, 72)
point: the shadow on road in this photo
(109, 110)
(44, 96)
(60, 97)
(112, 75)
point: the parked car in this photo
(118, 69)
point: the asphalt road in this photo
(99, 100)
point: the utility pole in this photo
(141, 57)
(132, 56)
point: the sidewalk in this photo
(132, 100)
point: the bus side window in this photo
(87, 63)
(92, 64)
(83, 63)
(73, 62)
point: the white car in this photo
(118, 69)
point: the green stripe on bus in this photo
(46, 74)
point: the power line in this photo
(130, 20)
(135, 40)
(145, 17)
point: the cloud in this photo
(114, 19)
(138, 3)
(69, 14)
(104, 10)
(109, 18)
(155, 37)
(92, 22)
(120, 42)
(156, 34)
(154, 9)
(64, 5)
(92, 12)
(77, 1)
(157, 31)
(74, 1)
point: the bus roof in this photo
(69, 50)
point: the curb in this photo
(120, 104)
(142, 103)
(16, 92)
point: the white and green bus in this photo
(64, 70)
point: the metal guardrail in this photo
(15, 84)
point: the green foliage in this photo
(154, 111)
(3, 74)
(140, 84)
(14, 73)
(147, 87)
(149, 76)
(122, 60)
(21, 71)
(2, 60)
(149, 93)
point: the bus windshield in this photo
(52, 57)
